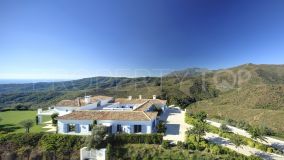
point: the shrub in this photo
(97, 138)
(251, 143)
(161, 127)
(166, 144)
(54, 118)
(27, 124)
(224, 128)
(180, 145)
(108, 151)
(215, 149)
(270, 150)
(60, 143)
(36, 120)
(191, 146)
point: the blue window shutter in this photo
(65, 126)
(77, 128)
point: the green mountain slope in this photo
(257, 97)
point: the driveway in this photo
(176, 126)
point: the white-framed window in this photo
(137, 128)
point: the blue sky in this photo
(69, 39)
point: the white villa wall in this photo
(65, 110)
(106, 101)
(127, 126)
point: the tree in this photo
(27, 124)
(98, 134)
(237, 140)
(200, 116)
(161, 127)
(36, 120)
(224, 128)
(199, 129)
(201, 90)
(54, 118)
(157, 109)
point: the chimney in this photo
(140, 96)
(87, 99)
(154, 97)
(78, 102)
(129, 97)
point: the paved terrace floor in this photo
(176, 126)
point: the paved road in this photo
(269, 141)
(176, 126)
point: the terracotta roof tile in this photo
(70, 103)
(110, 115)
(132, 101)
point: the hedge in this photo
(41, 145)
(135, 139)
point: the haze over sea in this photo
(22, 81)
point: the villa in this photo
(119, 115)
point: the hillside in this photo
(254, 93)
(258, 99)
(189, 72)
(46, 94)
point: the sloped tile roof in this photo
(132, 101)
(110, 115)
(69, 103)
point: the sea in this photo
(23, 81)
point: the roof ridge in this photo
(147, 101)
(146, 115)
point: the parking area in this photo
(176, 126)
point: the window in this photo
(153, 124)
(137, 128)
(90, 127)
(71, 127)
(118, 128)
(109, 130)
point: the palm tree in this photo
(27, 124)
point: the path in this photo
(49, 126)
(270, 141)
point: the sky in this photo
(70, 39)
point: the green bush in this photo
(108, 152)
(52, 146)
(215, 149)
(56, 142)
(180, 145)
(166, 144)
(135, 139)
(270, 150)
(21, 139)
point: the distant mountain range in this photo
(189, 72)
(249, 92)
